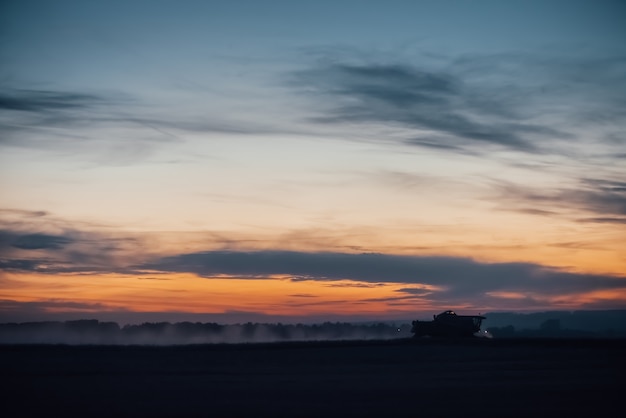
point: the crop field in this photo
(487, 378)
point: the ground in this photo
(486, 378)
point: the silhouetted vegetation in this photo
(580, 324)
(551, 328)
(594, 321)
(165, 333)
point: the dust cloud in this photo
(94, 332)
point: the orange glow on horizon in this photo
(192, 294)
(278, 295)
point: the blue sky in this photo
(138, 135)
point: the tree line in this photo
(92, 331)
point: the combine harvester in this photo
(448, 324)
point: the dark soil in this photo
(427, 378)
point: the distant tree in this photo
(248, 330)
(551, 326)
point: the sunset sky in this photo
(300, 161)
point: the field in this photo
(487, 378)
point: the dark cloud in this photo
(32, 241)
(349, 284)
(414, 291)
(29, 115)
(423, 100)
(431, 278)
(49, 310)
(108, 127)
(69, 251)
(20, 265)
(7, 305)
(44, 100)
(577, 245)
(453, 275)
(539, 212)
(524, 102)
(601, 196)
(448, 281)
(604, 198)
(24, 213)
(111, 127)
(41, 241)
(603, 220)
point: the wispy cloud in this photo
(39, 242)
(79, 123)
(438, 104)
(603, 220)
(522, 102)
(111, 127)
(604, 200)
(46, 101)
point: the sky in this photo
(299, 161)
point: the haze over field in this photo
(265, 161)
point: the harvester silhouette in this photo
(448, 324)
